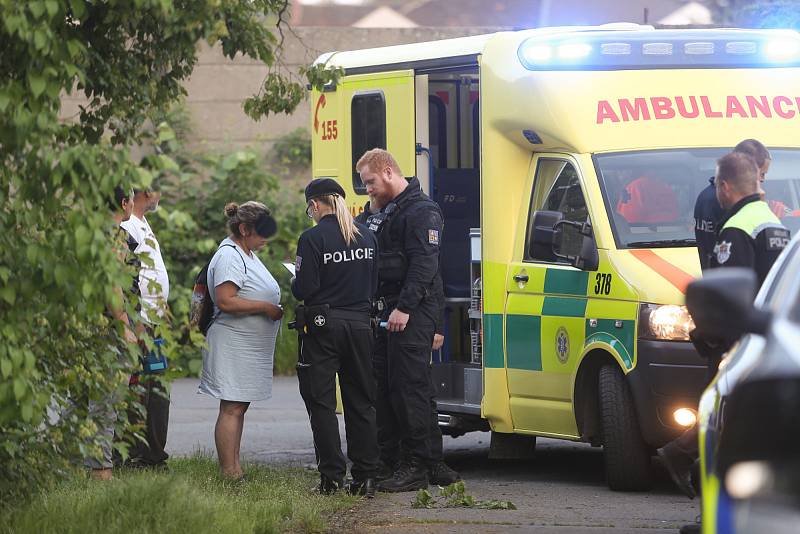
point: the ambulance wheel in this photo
(627, 458)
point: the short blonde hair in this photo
(378, 159)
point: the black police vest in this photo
(392, 262)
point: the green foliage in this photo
(190, 225)
(190, 498)
(293, 151)
(57, 264)
(456, 496)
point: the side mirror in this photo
(588, 259)
(547, 228)
(544, 233)
(721, 304)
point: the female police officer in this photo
(336, 277)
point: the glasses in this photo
(308, 211)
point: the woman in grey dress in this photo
(237, 367)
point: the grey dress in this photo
(238, 363)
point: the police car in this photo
(749, 416)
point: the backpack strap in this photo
(239, 253)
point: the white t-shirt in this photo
(153, 279)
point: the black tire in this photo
(627, 457)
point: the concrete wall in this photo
(219, 86)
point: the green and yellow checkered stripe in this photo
(565, 299)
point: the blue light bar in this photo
(666, 49)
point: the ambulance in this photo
(567, 162)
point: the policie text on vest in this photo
(348, 255)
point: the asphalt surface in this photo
(560, 490)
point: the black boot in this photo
(440, 474)
(365, 488)
(679, 466)
(385, 471)
(410, 476)
(328, 486)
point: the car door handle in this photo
(521, 278)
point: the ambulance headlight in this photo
(664, 322)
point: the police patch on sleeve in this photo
(433, 237)
(777, 238)
(297, 263)
(723, 251)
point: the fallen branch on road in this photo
(455, 496)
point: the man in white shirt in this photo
(154, 288)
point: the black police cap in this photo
(319, 187)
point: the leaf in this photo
(9, 294)
(497, 505)
(27, 411)
(6, 367)
(37, 9)
(52, 7)
(4, 100)
(19, 388)
(78, 8)
(86, 289)
(231, 161)
(38, 84)
(82, 236)
(39, 39)
(423, 499)
(74, 47)
(165, 133)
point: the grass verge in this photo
(190, 498)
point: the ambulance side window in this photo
(368, 129)
(558, 188)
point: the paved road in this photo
(561, 490)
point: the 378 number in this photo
(602, 284)
(330, 130)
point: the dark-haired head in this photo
(250, 222)
(736, 178)
(756, 150)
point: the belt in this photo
(348, 315)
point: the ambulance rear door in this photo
(377, 111)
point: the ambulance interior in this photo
(453, 102)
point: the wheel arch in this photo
(586, 403)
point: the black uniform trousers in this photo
(154, 398)
(342, 346)
(406, 407)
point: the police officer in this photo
(336, 277)
(749, 235)
(408, 225)
(708, 212)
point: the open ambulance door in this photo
(382, 114)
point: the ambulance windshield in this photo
(650, 195)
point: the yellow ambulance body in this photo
(606, 134)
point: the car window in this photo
(557, 187)
(650, 195)
(368, 129)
